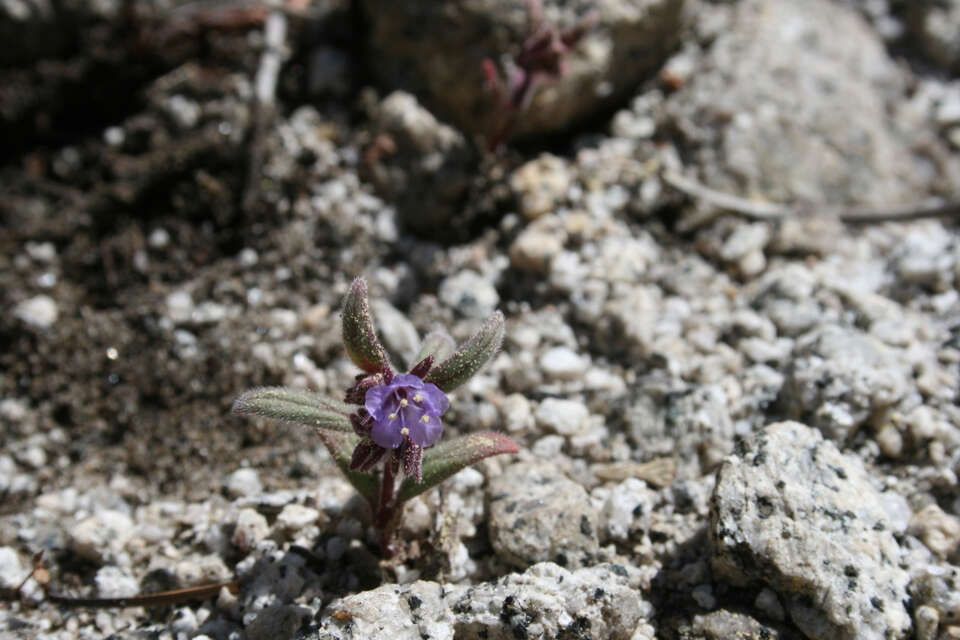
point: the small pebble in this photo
(703, 596)
(566, 417)
(251, 529)
(938, 530)
(243, 483)
(158, 239)
(295, 517)
(469, 293)
(114, 582)
(180, 306)
(769, 604)
(11, 571)
(562, 363)
(39, 311)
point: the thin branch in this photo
(16, 593)
(265, 90)
(933, 208)
(41, 575)
(728, 202)
(274, 53)
(162, 599)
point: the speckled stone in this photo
(839, 377)
(791, 512)
(546, 601)
(537, 514)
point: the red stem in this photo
(386, 520)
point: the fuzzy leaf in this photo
(470, 357)
(359, 336)
(294, 405)
(447, 458)
(438, 344)
(341, 446)
(421, 368)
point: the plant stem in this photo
(386, 516)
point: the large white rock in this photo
(792, 512)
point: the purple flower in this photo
(408, 408)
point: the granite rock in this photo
(540, 185)
(546, 601)
(537, 514)
(774, 146)
(435, 50)
(936, 587)
(938, 530)
(935, 26)
(792, 513)
(839, 377)
(418, 162)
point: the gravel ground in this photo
(731, 426)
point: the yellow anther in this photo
(425, 419)
(403, 402)
(392, 416)
(404, 431)
(418, 398)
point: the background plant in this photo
(385, 433)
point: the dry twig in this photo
(162, 599)
(933, 208)
(40, 573)
(265, 89)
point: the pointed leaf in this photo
(445, 459)
(341, 447)
(413, 462)
(294, 405)
(366, 455)
(359, 336)
(421, 368)
(438, 344)
(470, 357)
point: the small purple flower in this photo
(406, 408)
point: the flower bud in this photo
(470, 357)
(359, 337)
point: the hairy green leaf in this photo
(438, 344)
(341, 447)
(294, 405)
(359, 336)
(448, 457)
(470, 357)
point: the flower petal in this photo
(426, 433)
(411, 416)
(406, 380)
(375, 399)
(386, 433)
(435, 402)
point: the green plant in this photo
(539, 62)
(385, 434)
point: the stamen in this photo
(392, 416)
(418, 398)
(425, 419)
(404, 431)
(403, 402)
